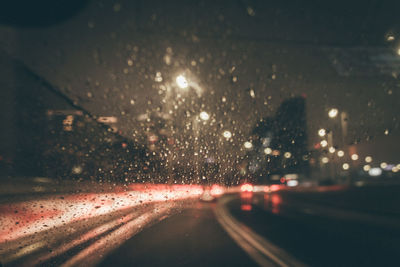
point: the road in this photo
(191, 238)
(310, 233)
(323, 226)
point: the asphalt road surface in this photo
(191, 238)
(324, 226)
(332, 227)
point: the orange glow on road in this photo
(246, 207)
(274, 187)
(276, 201)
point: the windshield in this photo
(199, 133)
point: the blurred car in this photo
(211, 193)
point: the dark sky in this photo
(106, 56)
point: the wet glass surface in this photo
(118, 114)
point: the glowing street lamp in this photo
(340, 153)
(368, 159)
(333, 113)
(322, 132)
(182, 82)
(324, 143)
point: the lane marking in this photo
(262, 251)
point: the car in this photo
(212, 193)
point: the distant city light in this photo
(354, 157)
(383, 165)
(333, 113)
(267, 151)
(395, 169)
(248, 145)
(390, 38)
(204, 116)
(375, 172)
(340, 153)
(324, 143)
(368, 159)
(158, 77)
(398, 51)
(332, 150)
(76, 169)
(252, 94)
(287, 155)
(366, 167)
(182, 82)
(345, 166)
(325, 160)
(292, 183)
(227, 134)
(276, 152)
(321, 132)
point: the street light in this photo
(354, 157)
(332, 150)
(182, 82)
(368, 159)
(333, 113)
(345, 166)
(340, 153)
(324, 143)
(322, 132)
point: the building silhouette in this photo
(280, 143)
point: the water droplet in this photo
(117, 7)
(251, 11)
